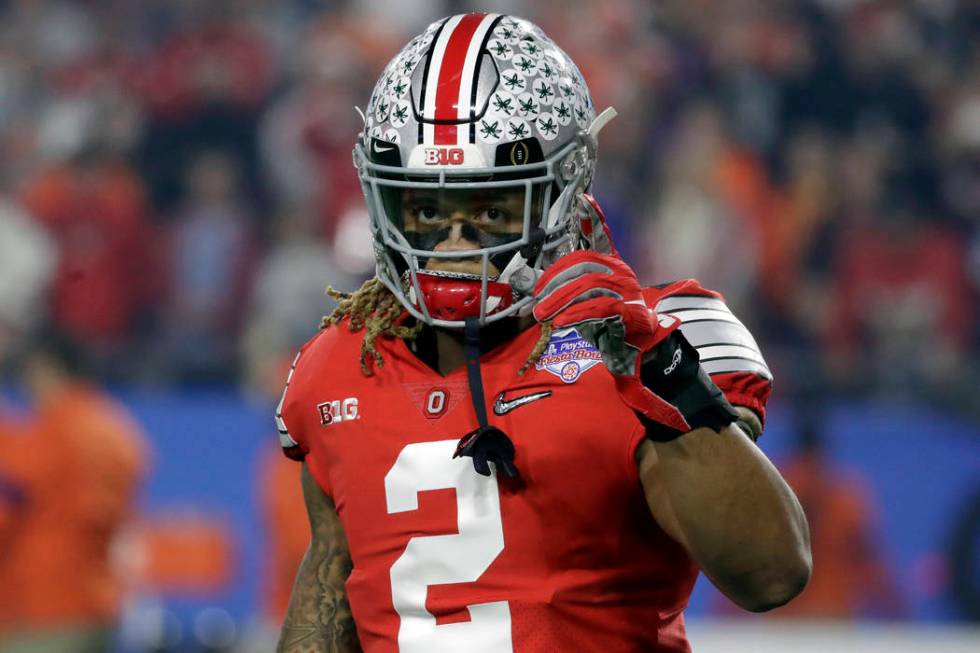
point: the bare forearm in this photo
(734, 513)
(319, 618)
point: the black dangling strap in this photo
(471, 348)
(487, 443)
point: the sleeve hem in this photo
(637, 435)
(317, 473)
(748, 401)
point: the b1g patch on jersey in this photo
(334, 412)
(568, 355)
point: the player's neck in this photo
(443, 349)
(450, 351)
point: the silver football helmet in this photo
(478, 104)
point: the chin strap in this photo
(487, 444)
(519, 272)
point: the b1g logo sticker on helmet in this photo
(444, 156)
(441, 157)
(568, 355)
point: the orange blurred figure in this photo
(78, 462)
(850, 575)
(280, 498)
(288, 531)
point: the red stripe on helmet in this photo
(450, 75)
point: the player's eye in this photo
(493, 215)
(497, 219)
(427, 214)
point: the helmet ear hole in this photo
(577, 162)
(569, 168)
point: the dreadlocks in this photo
(538, 349)
(376, 309)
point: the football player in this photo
(508, 445)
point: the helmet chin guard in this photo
(452, 296)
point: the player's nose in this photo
(456, 240)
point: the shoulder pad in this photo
(728, 352)
(722, 341)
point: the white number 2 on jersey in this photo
(441, 559)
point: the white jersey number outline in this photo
(441, 559)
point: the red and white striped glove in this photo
(600, 296)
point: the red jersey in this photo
(444, 559)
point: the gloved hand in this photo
(657, 372)
(600, 296)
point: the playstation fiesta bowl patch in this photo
(568, 355)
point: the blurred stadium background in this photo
(176, 191)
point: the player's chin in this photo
(471, 266)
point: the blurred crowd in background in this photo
(176, 186)
(188, 165)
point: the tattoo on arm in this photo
(319, 618)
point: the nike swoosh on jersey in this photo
(381, 150)
(501, 407)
